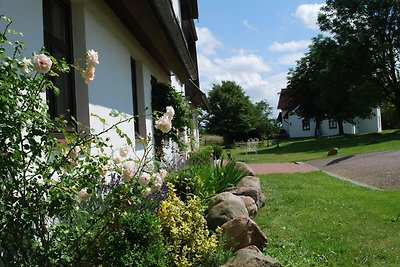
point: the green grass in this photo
(292, 150)
(312, 219)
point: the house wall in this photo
(20, 11)
(293, 126)
(112, 87)
(296, 127)
(96, 27)
(372, 125)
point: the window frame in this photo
(333, 124)
(67, 106)
(306, 124)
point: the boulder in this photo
(221, 197)
(244, 167)
(249, 181)
(250, 205)
(251, 256)
(254, 193)
(225, 211)
(333, 151)
(243, 232)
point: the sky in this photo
(254, 43)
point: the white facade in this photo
(293, 125)
(96, 26)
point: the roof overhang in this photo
(154, 24)
(196, 96)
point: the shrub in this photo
(201, 157)
(185, 230)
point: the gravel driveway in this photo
(380, 169)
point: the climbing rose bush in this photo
(60, 203)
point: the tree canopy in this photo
(331, 81)
(234, 116)
(372, 24)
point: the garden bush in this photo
(189, 241)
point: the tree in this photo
(332, 82)
(234, 116)
(373, 24)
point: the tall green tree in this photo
(331, 81)
(233, 115)
(373, 24)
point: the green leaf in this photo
(114, 113)
(56, 91)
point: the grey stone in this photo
(254, 193)
(243, 232)
(251, 257)
(250, 205)
(244, 167)
(224, 196)
(333, 151)
(249, 181)
(225, 211)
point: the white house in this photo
(136, 40)
(295, 126)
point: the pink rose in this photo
(92, 58)
(88, 75)
(41, 63)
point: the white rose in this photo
(26, 62)
(124, 151)
(163, 173)
(144, 178)
(164, 124)
(170, 112)
(117, 159)
(41, 63)
(83, 195)
(129, 169)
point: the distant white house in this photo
(295, 126)
(136, 40)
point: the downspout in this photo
(167, 14)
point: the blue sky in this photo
(253, 42)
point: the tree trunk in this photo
(317, 131)
(341, 131)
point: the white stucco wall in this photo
(96, 27)
(112, 87)
(293, 126)
(20, 11)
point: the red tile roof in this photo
(284, 100)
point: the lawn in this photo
(313, 219)
(311, 148)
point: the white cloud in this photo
(207, 43)
(248, 25)
(291, 46)
(289, 59)
(308, 14)
(246, 69)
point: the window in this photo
(58, 42)
(306, 125)
(332, 124)
(135, 96)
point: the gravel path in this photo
(381, 170)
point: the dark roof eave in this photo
(167, 15)
(144, 21)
